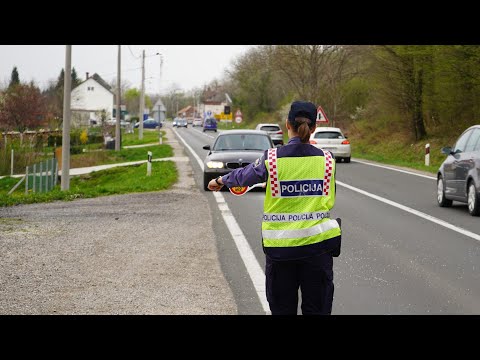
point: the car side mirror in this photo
(278, 145)
(447, 150)
(206, 147)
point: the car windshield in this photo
(242, 142)
(270, 128)
(210, 121)
(328, 135)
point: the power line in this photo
(114, 73)
(131, 52)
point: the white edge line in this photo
(390, 168)
(251, 263)
(203, 133)
(200, 162)
(413, 211)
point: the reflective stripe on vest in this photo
(283, 217)
(298, 200)
(328, 172)
(300, 233)
(272, 172)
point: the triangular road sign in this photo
(321, 116)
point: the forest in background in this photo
(391, 100)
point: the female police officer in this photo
(299, 238)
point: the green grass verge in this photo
(124, 155)
(120, 180)
(149, 136)
(385, 143)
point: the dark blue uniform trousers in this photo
(314, 277)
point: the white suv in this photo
(333, 140)
(274, 130)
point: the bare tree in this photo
(305, 66)
(125, 85)
(339, 69)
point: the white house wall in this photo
(215, 109)
(91, 96)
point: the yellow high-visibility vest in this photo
(299, 196)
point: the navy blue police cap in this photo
(304, 109)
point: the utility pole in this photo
(67, 85)
(159, 89)
(142, 99)
(118, 133)
(193, 111)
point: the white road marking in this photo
(390, 168)
(246, 253)
(413, 211)
(200, 162)
(204, 133)
(251, 263)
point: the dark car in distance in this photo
(210, 124)
(149, 124)
(233, 149)
(458, 176)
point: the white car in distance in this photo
(197, 122)
(333, 140)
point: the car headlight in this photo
(215, 164)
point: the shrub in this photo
(76, 149)
(84, 137)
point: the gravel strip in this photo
(145, 253)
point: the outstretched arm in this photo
(247, 176)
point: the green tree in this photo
(255, 83)
(14, 78)
(60, 80)
(54, 94)
(132, 101)
(75, 80)
(399, 71)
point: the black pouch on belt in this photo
(338, 240)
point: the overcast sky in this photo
(186, 66)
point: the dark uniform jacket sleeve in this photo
(249, 175)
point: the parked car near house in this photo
(113, 122)
(149, 124)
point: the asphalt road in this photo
(401, 253)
